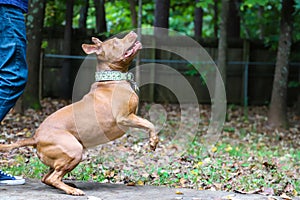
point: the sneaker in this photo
(7, 179)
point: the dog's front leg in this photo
(137, 122)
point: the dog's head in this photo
(116, 53)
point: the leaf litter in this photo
(248, 158)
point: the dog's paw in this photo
(153, 142)
(76, 192)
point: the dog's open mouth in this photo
(133, 49)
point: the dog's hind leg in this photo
(62, 156)
(47, 175)
(55, 180)
(63, 166)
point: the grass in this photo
(240, 167)
(199, 176)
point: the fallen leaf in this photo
(214, 149)
(140, 182)
(131, 184)
(230, 196)
(289, 188)
(273, 198)
(228, 148)
(178, 192)
(256, 191)
(267, 191)
(218, 186)
(286, 197)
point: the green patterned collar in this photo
(113, 76)
(117, 76)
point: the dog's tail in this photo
(20, 143)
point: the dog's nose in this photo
(132, 33)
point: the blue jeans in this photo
(13, 67)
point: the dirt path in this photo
(34, 189)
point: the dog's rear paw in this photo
(76, 192)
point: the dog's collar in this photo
(117, 76)
(113, 76)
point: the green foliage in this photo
(33, 170)
(294, 84)
(180, 9)
(118, 16)
(54, 13)
(182, 17)
(260, 18)
(297, 5)
(251, 3)
(44, 44)
(204, 3)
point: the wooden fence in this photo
(250, 70)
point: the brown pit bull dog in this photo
(102, 115)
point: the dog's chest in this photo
(95, 115)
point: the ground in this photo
(249, 156)
(34, 190)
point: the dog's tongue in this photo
(128, 53)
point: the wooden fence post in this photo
(246, 52)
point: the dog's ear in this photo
(92, 48)
(96, 41)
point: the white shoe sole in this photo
(18, 181)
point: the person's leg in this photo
(13, 67)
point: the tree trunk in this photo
(298, 105)
(220, 82)
(65, 80)
(34, 24)
(100, 16)
(198, 22)
(139, 32)
(132, 4)
(215, 19)
(83, 15)
(222, 55)
(277, 116)
(233, 29)
(298, 101)
(222, 47)
(161, 16)
(260, 13)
